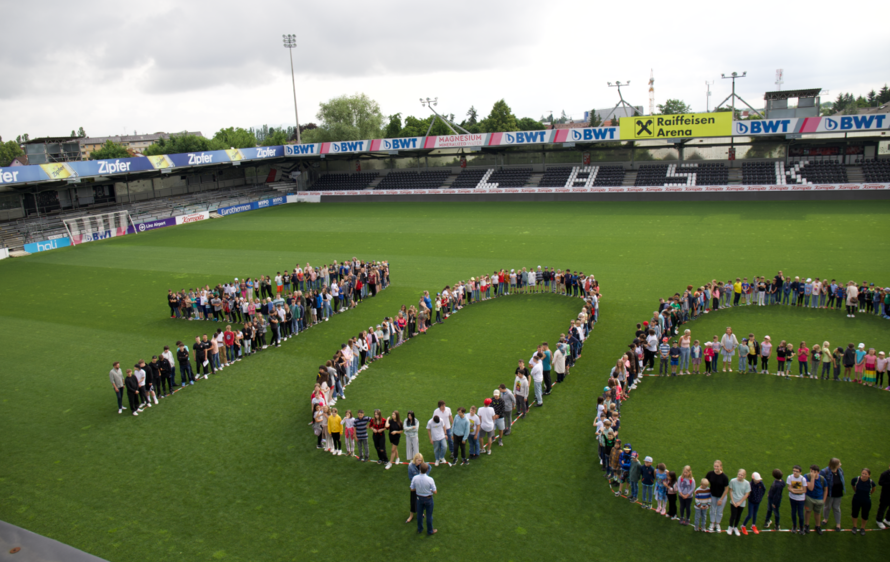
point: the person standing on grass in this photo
(335, 428)
(852, 299)
(884, 503)
(117, 383)
(168, 355)
(728, 345)
(797, 486)
(185, 366)
(410, 427)
(509, 405)
(520, 389)
(165, 372)
(835, 488)
(413, 470)
(817, 494)
(435, 429)
(444, 413)
(538, 377)
(863, 487)
(498, 405)
(774, 498)
(487, 424)
(201, 361)
(559, 361)
(719, 485)
(394, 425)
(132, 385)
(740, 490)
(547, 360)
(460, 433)
(378, 428)
(425, 488)
(361, 435)
(758, 490)
(685, 491)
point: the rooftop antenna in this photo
(621, 101)
(651, 92)
(779, 81)
(733, 95)
(708, 97)
(432, 102)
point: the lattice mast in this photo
(651, 92)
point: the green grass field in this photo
(228, 469)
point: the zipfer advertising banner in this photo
(681, 125)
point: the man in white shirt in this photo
(139, 372)
(651, 349)
(486, 424)
(435, 428)
(168, 355)
(537, 365)
(444, 412)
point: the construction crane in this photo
(651, 92)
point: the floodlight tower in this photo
(290, 43)
(432, 102)
(734, 95)
(621, 101)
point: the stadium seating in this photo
(682, 174)
(469, 178)
(876, 170)
(578, 176)
(810, 173)
(344, 182)
(763, 173)
(414, 180)
(509, 177)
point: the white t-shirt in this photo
(797, 487)
(474, 423)
(652, 344)
(538, 372)
(140, 376)
(445, 417)
(437, 430)
(486, 415)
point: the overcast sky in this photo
(116, 67)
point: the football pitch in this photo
(227, 469)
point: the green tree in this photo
(737, 116)
(235, 138)
(81, 133)
(109, 151)
(72, 133)
(180, 143)
(415, 127)
(595, 119)
(872, 98)
(8, 151)
(529, 124)
(501, 119)
(393, 127)
(673, 107)
(884, 95)
(472, 117)
(275, 138)
(355, 117)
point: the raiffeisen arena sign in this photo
(683, 125)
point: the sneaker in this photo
(736, 531)
(437, 464)
(718, 529)
(805, 530)
(388, 466)
(862, 532)
(489, 451)
(794, 530)
(880, 524)
(135, 413)
(744, 531)
(819, 531)
(855, 530)
(754, 529)
(120, 410)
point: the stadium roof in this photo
(790, 94)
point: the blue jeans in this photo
(120, 397)
(717, 510)
(474, 445)
(425, 507)
(439, 449)
(743, 363)
(752, 514)
(684, 358)
(538, 393)
(785, 296)
(230, 353)
(647, 493)
(450, 442)
(634, 489)
(701, 517)
(770, 511)
(796, 513)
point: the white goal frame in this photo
(88, 228)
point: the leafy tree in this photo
(235, 138)
(501, 119)
(472, 116)
(595, 119)
(415, 127)
(275, 138)
(72, 133)
(22, 138)
(529, 124)
(393, 127)
(883, 95)
(109, 151)
(81, 133)
(872, 98)
(182, 143)
(8, 151)
(355, 117)
(673, 107)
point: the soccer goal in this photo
(98, 227)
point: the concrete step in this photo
(630, 177)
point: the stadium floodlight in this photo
(733, 96)
(290, 43)
(432, 102)
(618, 84)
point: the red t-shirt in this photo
(229, 338)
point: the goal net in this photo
(98, 227)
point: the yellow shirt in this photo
(737, 287)
(334, 424)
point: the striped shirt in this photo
(361, 427)
(702, 498)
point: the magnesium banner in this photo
(681, 125)
(456, 141)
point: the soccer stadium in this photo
(445, 337)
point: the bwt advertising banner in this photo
(47, 245)
(224, 211)
(589, 134)
(841, 123)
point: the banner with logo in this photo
(804, 125)
(410, 143)
(151, 225)
(456, 141)
(102, 235)
(681, 125)
(589, 134)
(194, 217)
(304, 198)
(47, 245)
(244, 207)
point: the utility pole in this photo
(290, 43)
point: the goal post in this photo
(98, 227)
